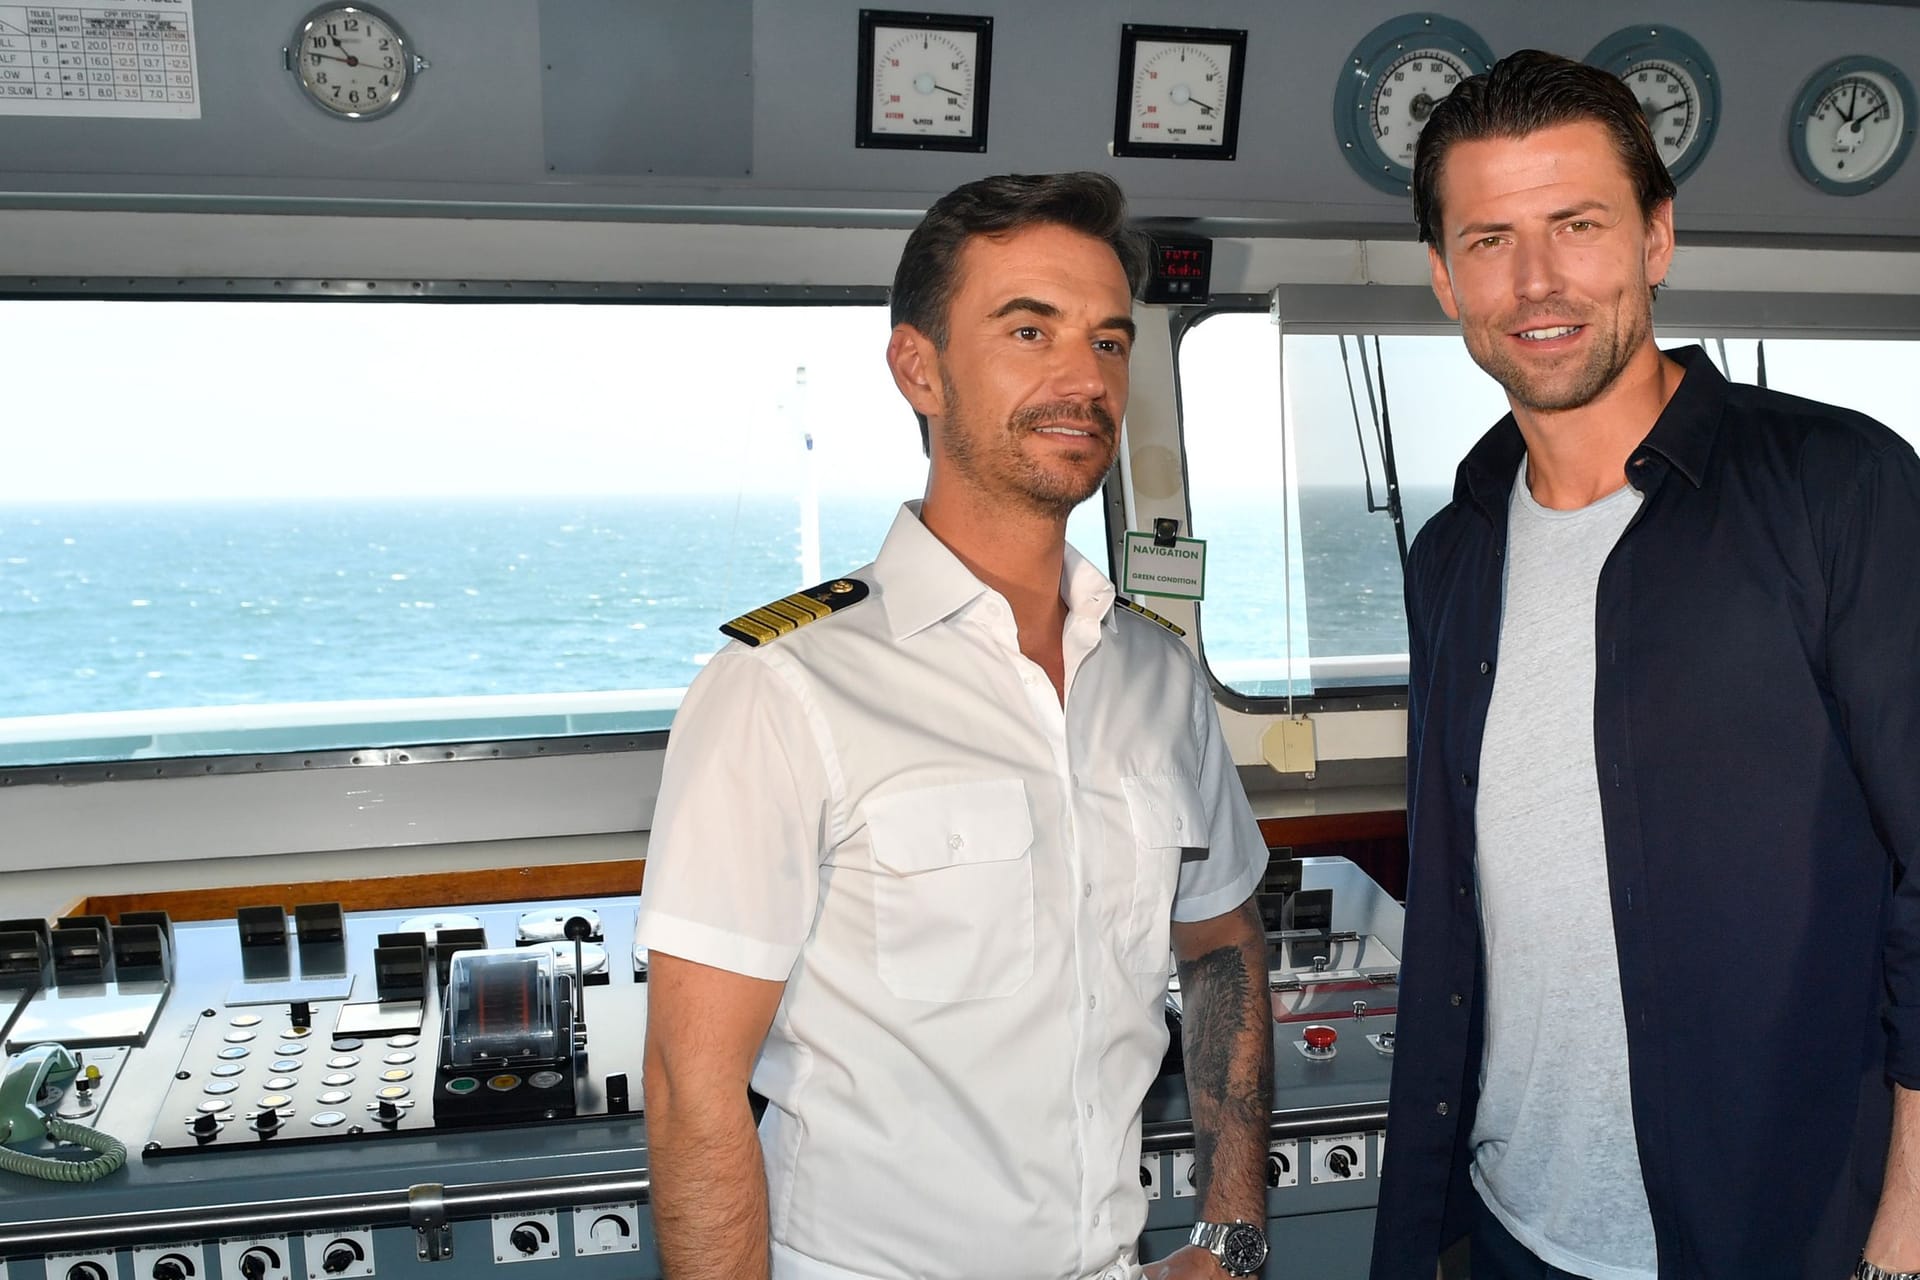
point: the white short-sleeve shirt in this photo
(967, 890)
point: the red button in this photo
(1320, 1039)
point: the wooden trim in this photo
(441, 889)
(1332, 828)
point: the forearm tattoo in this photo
(1229, 1077)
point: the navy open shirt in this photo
(1757, 742)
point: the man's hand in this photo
(1190, 1263)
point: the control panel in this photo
(312, 1094)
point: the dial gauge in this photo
(1675, 83)
(923, 81)
(1852, 125)
(1179, 92)
(352, 61)
(1390, 85)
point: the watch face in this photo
(1244, 1249)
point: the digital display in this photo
(1179, 269)
(1180, 263)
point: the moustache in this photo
(1092, 418)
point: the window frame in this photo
(1402, 310)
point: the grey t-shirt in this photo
(1553, 1144)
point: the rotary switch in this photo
(340, 1256)
(528, 1237)
(255, 1263)
(86, 1271)
(1341, 1160)
(172, 1266)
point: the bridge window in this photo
(1303, 563)
(262, 526)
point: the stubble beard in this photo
(1002, 464)
(1607, 357)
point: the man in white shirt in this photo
(927, 833)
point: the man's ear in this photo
(1659, 242)
(915, 365)
(1442, 282)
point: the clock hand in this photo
(350, 60)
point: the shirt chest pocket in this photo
(1169, 826)
(953, 890)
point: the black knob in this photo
(267, 1121)
(1277, 1167)
(577, 929)
(300, 1014)
(253, 1265)
(527, 1238)
(206, 1124)
(86, 1271)
(339, 1256)
(1146, 1176)
(389, 1111)
(1340, 1160)
(172, 1267)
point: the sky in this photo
(109, 401)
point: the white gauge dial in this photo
(923, 82)
(1406, 93)
(353, 61)
(1856, 128)
(1180, 93)
(1670, 100)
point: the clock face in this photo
(1676, 85)
(1389, 87)
(1179, 92)
(1853, 125)
(923, 81)
(352, 61)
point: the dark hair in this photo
(929, 270)
(1523, 93)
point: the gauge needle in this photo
(943, 89)
(1650, 111)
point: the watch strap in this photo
(1868, 1271)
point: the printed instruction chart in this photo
(132, 58)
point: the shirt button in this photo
(1485, 667)
(1089, 1111)
(1093, 1002)
(1086, 890)
(955, 842)
(1442, 1108)
(1461, 890)
(1466, 779)
(1455, 999)
(1179, 824)
(1096, 1219)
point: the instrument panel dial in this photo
(1389, 87)
(1179, 92)
(923, 81)
(1676, 85)
(1852, 125)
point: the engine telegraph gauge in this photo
(352, 61)
(1852, 125)
(1179, 92)
(1390, 85)
(923, 81)
(1675, 83)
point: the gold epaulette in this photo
(771, 621)
(1148, 614)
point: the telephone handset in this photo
(23, 1123)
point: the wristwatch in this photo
(1241, 1247)
(1867, 1271)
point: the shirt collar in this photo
(1682, 435)
(922, 582)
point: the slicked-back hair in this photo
(1521, 94)
(929, 271)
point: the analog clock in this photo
(352, 61)
(1179, 92)
(1390, 85)
(1678, 91)
(1852, 125)
(923, 81)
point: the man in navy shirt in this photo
(1661, 1001)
